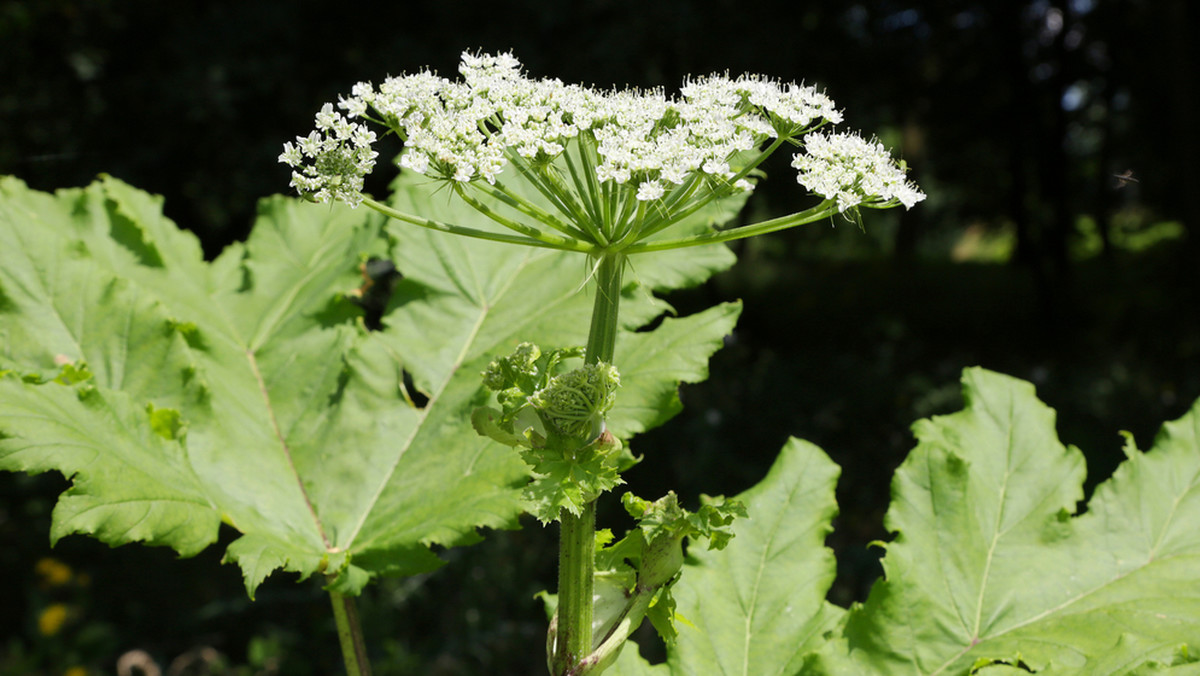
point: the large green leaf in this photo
(989, 565)
(756, 607)
(990, 571)
(496, 296)
(294, 423)
(118, 499)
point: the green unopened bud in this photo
(661, 560)
(493, 376)
(511, 397)
(524, 357)
(508, 371)
(575, 403)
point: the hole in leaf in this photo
(418, 398)
(379, 280)
(1015, 664)
(338, 310)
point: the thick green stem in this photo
(354, 651)
(577, 537)
(602, 338)
(576, 568)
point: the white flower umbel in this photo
(597, 157)
(340, 154)
(854, 172)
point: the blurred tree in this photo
(1010, 110)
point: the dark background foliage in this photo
(1030, 257)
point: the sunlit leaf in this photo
(757, 606)
(990, 571)
(247, 390)
(989, 562)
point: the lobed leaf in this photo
(247, 391)
(123, 500)
(989, 565)
(757, 606)
(990, 571)
(653, 363)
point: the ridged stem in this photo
(577, 536)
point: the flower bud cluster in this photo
(575, 403)
(572, 404)
(514, 370)
(642, 141)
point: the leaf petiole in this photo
(349, 629)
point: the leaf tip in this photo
(1130, 446)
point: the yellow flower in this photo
(53, 573)
(75, 671)
(52, 618)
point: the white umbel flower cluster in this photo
(642, 141)
(853, 171)
(330, 163)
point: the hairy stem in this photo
(576, 567)
(349, 629)
(577, 537)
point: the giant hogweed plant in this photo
(531, 223)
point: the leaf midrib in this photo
(997, 533)
(747, 632)
(1150, 561)
(484, 311)
(283, 444)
